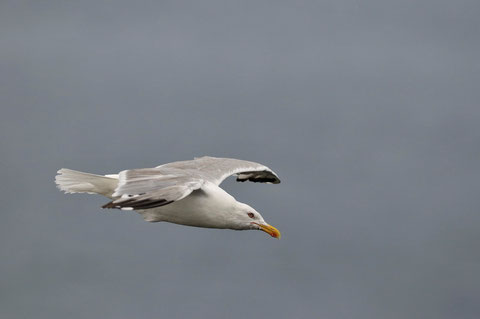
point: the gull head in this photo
(245, 217)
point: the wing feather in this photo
(152, 187)
(217, 169)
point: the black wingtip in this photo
(137, 204)
(109, 205)
(260, 180)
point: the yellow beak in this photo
(272, 231)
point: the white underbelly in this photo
(203, 208)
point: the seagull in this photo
(183, 192)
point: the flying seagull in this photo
(184, 192)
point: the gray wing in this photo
(152, 187)
(216, 169)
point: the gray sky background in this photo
(368, 111)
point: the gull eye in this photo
(251, 215)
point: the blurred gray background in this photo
(368, 111)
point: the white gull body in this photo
(185, 192)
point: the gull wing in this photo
(152, 187)
(216, 169)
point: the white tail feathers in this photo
(71, 181)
